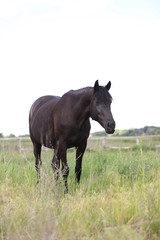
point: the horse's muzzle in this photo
(110, 128)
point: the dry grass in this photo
(118, 198)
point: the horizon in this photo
(100, 131)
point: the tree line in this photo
(147, 130)
(12, 135)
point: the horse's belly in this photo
(45, 138)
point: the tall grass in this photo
(118, 197)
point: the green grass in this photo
(118, 197)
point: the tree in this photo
(1, 135)
(11, 135)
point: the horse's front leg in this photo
(65, 173)
(79, 155)
(62, 151)
(56, 165)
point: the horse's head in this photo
(100, 107)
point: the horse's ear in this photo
(108, 86)
(96, 86)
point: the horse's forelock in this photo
(103, 95)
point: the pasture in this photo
(118, 197)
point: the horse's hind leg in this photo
(38, 162)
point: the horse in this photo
(63, 122)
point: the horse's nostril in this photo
(111, 125)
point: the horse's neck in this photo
(83, 113)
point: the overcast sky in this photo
(52, 46)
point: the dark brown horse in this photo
(63, 122)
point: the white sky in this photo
(52, 46)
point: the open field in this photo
(118, 197)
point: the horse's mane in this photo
(102, 93)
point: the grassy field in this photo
(118, 197)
